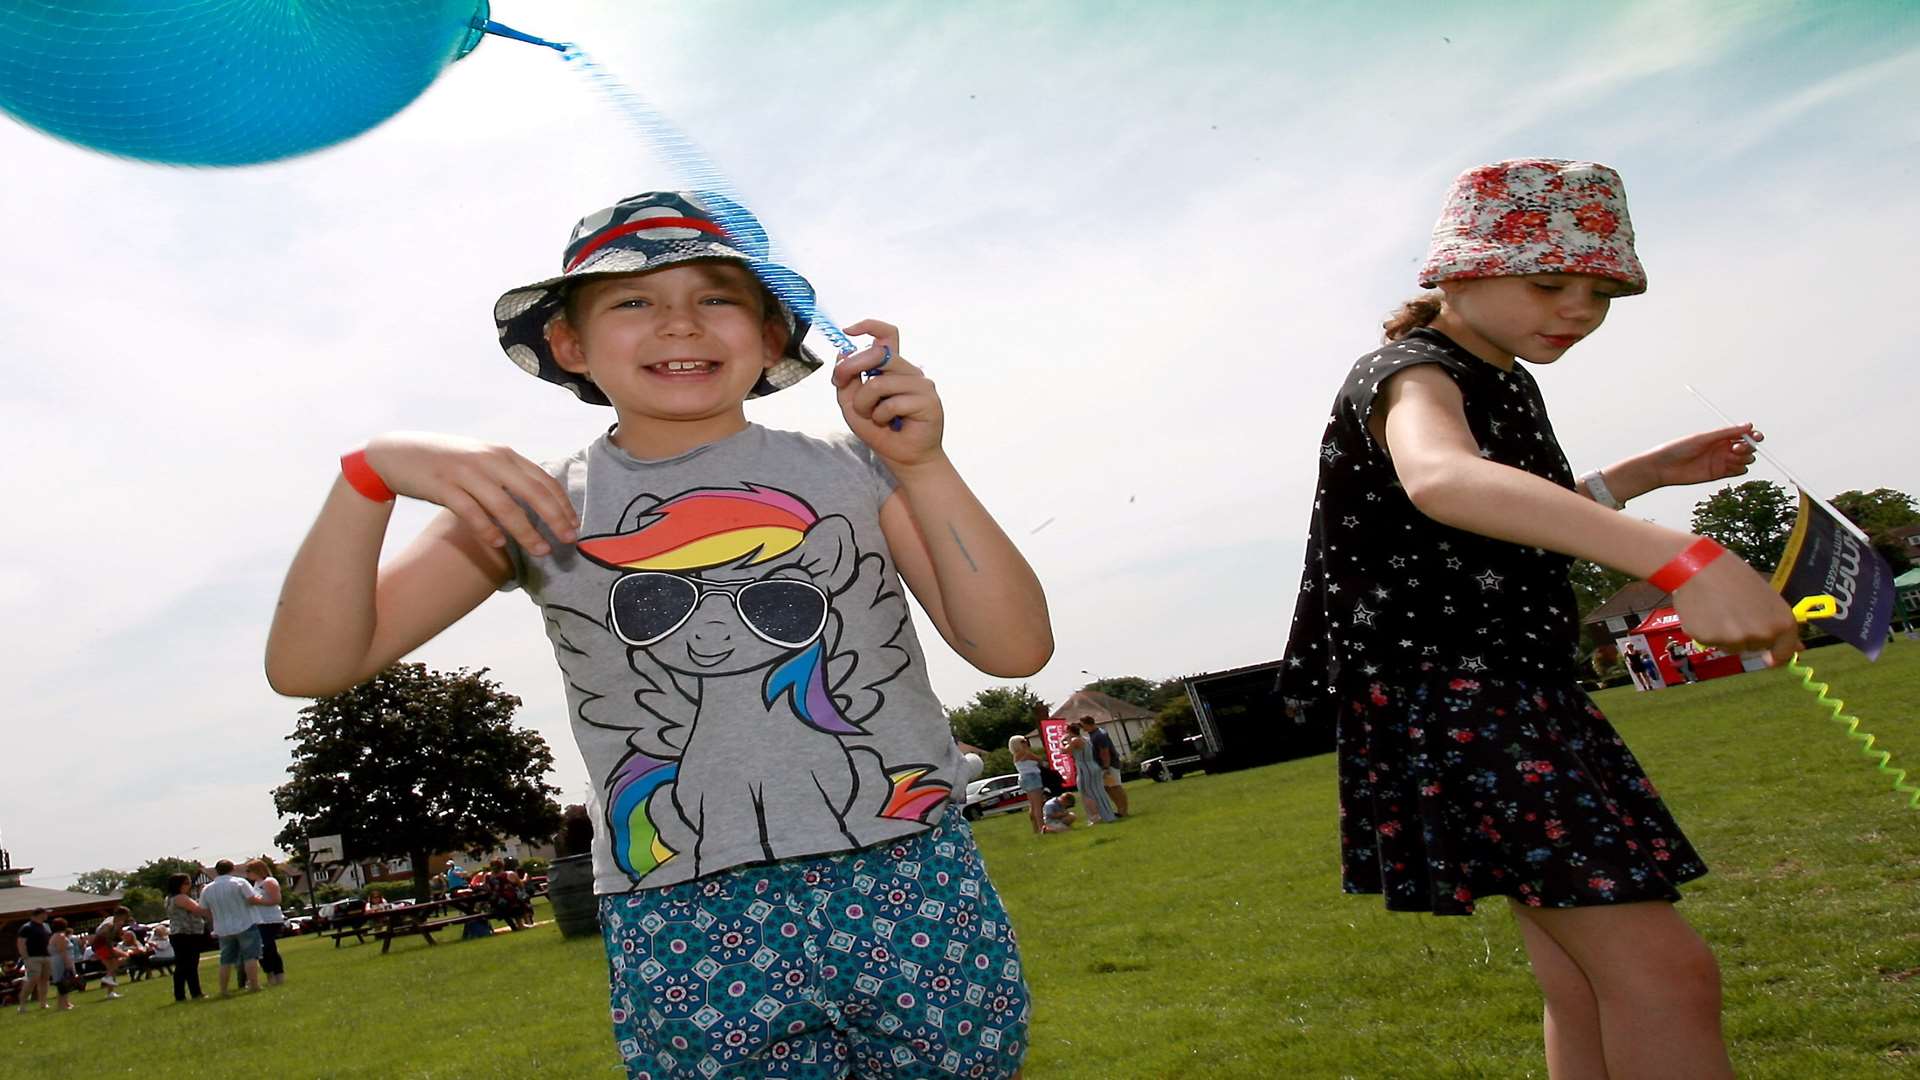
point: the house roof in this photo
(19, 901)
(1104, 708)
(1633, 598)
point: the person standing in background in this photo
(1682, 659)
(231, 901)
(1032, 784)
(66, 966)
(270, 920)
(187, 927)
(1088, 775)
(31, 945)
(1109, 759)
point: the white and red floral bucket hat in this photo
(650, 231)
(1535, 216)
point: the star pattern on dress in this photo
(1366, 613)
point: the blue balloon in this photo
(223, 82)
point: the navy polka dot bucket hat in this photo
(645, 232)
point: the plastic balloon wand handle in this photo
(489, 26)
(1825, 607)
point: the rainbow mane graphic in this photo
(708, 528)
(637, 847)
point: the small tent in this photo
(1664, 626)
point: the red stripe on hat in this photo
(642, 225)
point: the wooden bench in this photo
(426, 928)
(356, 929)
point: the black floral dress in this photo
(1471, 763)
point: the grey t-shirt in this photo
(742, 673)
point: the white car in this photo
(993, 795)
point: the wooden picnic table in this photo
(421, 919)
(425, 918)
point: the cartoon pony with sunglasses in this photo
(750, 717)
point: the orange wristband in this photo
(1686, 564)
(361, 477)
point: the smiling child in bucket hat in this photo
(743, 678)
(639, 234)
(1436, 628)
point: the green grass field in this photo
(1207, 937)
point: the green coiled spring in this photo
(1881, 758)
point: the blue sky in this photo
(1136, 244)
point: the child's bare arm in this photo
(1438, 462)
(1695, 459)
(342, 618)
(974, 584)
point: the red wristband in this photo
(1686, 564)
(361, 477)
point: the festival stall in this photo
(1664, 626)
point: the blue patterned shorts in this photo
(892, 961)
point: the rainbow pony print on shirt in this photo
(749, 742)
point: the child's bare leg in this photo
(1655, 982)
(1572, 1015)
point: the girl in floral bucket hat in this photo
(782, 891)
(1436, 627)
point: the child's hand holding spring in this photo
(899, 391)
(479, 482)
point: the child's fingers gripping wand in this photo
(702, 175)
(1821, 607)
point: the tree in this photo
(996, 762)
(1593, 584)
(1751, 519)
(1877, 510)
(1167, 734)
(101, 882)
(995, 715)
(153, 873)
(1878, 513)
(146, 904)
(415, 762)
(1131, 689)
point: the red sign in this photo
(1054, 733)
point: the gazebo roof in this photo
(19, 901)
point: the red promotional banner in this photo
(1054, 734)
